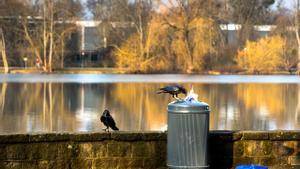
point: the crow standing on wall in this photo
(108, 121)
(173, 90)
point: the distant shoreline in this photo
(76, 70)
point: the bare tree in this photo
(3, 51)
(193, 30)
(51, 22)
(296, 29)
(249, 13)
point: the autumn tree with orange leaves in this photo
(265, 55)
(151, 56)
(176, 38)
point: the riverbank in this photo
(91, 70)
(227, 149)
(68, 70)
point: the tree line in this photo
(185, 35)
(37, 29)
(157, 35)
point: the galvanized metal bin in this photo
(188, 126)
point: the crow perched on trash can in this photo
(173, 90)
(108, 121)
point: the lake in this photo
(74, 102)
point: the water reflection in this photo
(47, 107)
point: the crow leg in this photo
(106, 129)
(176, 97)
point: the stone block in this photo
(150, 163)
(99, 149)
(244, 160)
(126, 136)
(81, 164)
(125, 149)
(238, 148)
(272, 161)
(153, 151)
(52, 151)
(59, 164)
(255, 135)
(283, 167)
(87, 137)
(149, 136)
(16, 152)
(49, 137)
(10, 165)
(131, 163)
(258, 148)
(294, 160)
(119, 149)
(43, 164)
(160, 149)
(67, 151)
(281, 160)
(107, 163)
(113, 149)
(14, 138)
(155, 162)
(267, 161)
(284, 135)
(281, 148)
(2, 152)
(140, 149)
(85, 150)
(38, 151)
(32, 164)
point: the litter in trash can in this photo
(251, 167)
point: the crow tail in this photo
(159, 92)
(115, 128)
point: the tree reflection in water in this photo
(51, 107)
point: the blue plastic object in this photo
(251, 167)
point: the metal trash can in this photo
(188, 126)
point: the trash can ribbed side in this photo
(188, 128)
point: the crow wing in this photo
(102, 119)
(111, 123)
(170, 89)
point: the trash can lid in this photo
(188, 106)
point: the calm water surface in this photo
(51, 103)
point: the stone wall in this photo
(276, 149)
(83, 151)
(123, 150)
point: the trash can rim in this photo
(173, 166)
(188, 111)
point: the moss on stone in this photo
(284, 135)
(238, 149)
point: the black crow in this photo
(108, 121)
(173, 90)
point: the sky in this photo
(286, 3)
